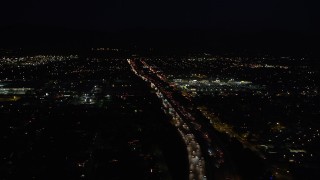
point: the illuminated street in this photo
(196, 161)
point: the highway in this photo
(181, 119)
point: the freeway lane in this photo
(196, 160)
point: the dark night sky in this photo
(228, 17)
(118, 14)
